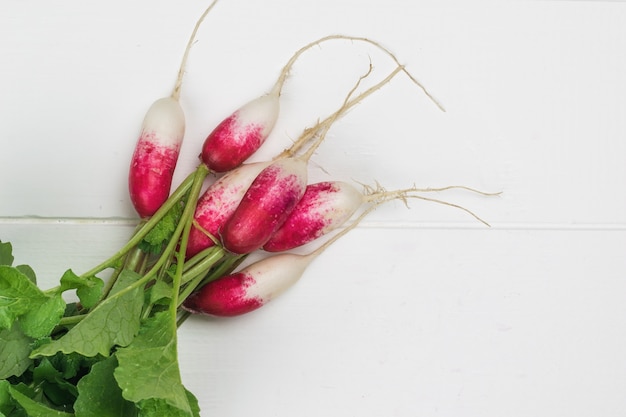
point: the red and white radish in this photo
(323, 207)
(241, 134)
(156, 153)
(327, 205)
(218, 203)
(155, 156)
(265, 205)
(256, 284)
(249, 289)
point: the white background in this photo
(417, 312)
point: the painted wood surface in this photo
(420, 311)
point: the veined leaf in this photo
(114, 322)
(21, 299)
(34, 408)
(148, 371)
(87, 289)
(28, 271)
(40, 321)
(14, 350)
(100, 396)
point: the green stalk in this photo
(199, 257)
(68, 321)
(202, 267)
(185, 222)
(227, 265)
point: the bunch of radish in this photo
(269, 206)
(188, 253)
(265, 207)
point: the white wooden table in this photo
(420, 312)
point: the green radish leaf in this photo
(100, 396)
(21, 299)
(72, 364)
(148, 371)
(34, 408)
(193, 403)
(51, 383)
(159, 407)
(15, 347)
(125, 279)
(160, 292)
(163, 231)
(6, 403)
(113, 322)
(28, 271)
(88, 289)
(40, 322)
(17, 295)
(6, 253)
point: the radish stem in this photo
(183, 228)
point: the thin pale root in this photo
(322, 127)
(287, 68)
(378, 195)
(183, 64)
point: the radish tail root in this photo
(183, 64)
(378, 195)
(323, 126)
(287, 68)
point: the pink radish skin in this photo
(265, 205)
(155, 156)
(240, 135)
(250, 288)
(323, 207)
(218, 203)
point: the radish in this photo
(327, 205)
(323, 207)
(255, 285)
(265, 205)
(249, 289)
(241, 134)
(156, 153)
(218, 203)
